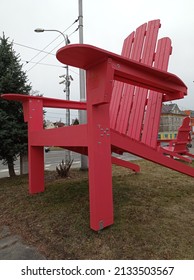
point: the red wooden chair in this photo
(123, 119)
(178, 148)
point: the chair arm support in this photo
(47, 102)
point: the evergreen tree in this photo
(13, 130)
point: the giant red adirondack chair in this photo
(124, 98)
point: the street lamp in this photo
(66, 81)
(65, 37)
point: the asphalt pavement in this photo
(52, 159)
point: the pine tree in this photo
(13, 130)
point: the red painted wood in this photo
(178, 148)
(129, 104)
(127, 164)
(128, 71)
(154, 102)
(118, 86)
(136, 50)
(147, 57)
(152, 119)
(75, 136)
(47, 102)
(138, 148)
(99, 147)
(125, 109)
(36, 169)
(35, 154)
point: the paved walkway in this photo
(12, 247)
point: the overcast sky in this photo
(106, 24)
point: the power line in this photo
(47, 64)
(50, 44)
(43, 50)
(34, 49)
(44, 64)
(38, 62)
(74, 31)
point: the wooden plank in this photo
(128, 71)
(125, 109)
(152, 119)
(67, 136)
(127, 97)
(138, 111)
(144, 151)
(115, 102)
(127, 164)
(35, 154)
(99, 149)
(154, 104)
(122, 94)
(46, 101)
(118, 89)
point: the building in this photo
(171, 119)
(49, 124)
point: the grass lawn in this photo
(153, 210)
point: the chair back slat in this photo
(183, 136)
(135, 111)
(154, 101)
(118, 86)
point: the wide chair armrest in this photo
(125, 70)
(46, 102)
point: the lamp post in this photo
(65, 37)
(66, 81)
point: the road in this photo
(53, 158)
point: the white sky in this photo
(106, 24)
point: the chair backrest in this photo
(183, 136)
(136, 111)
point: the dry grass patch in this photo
(153, 210)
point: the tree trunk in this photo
(11, 169)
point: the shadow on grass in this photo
(153, 211)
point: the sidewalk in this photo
(13, 248)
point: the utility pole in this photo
(82, 114)
(67, 81)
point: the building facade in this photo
(171, 119)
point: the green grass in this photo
(153, 215)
